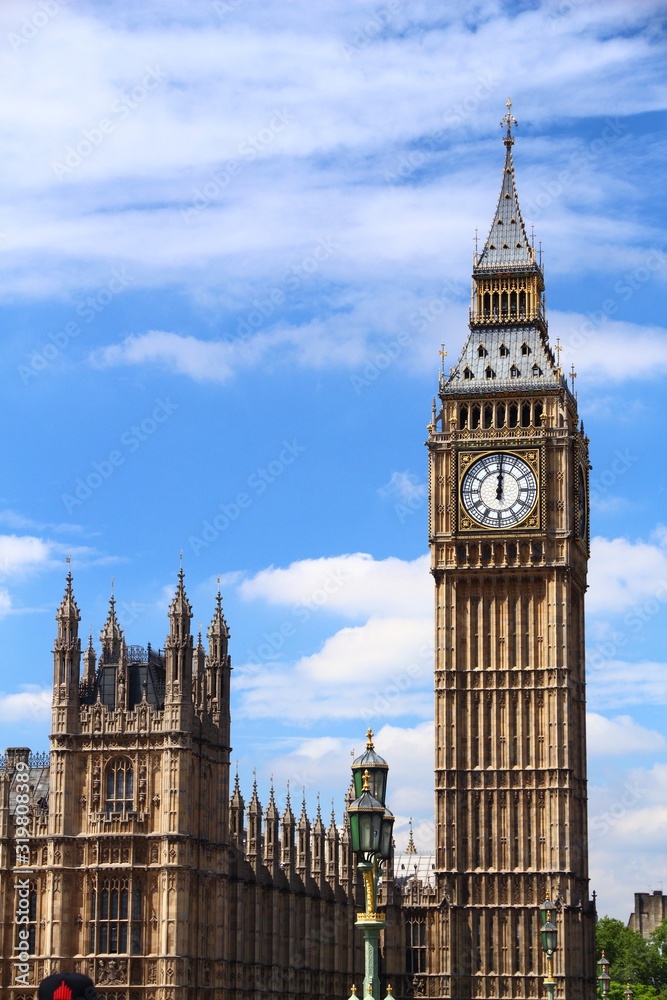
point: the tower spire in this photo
(507, 244)
(508, 120)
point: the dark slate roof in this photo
(514, 369)
(37, 779)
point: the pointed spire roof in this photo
(271, 809)
(303, 818)
(237, 798)
(68, 608)
(111, 630)
(507, 245)
(180, 606)
(411, 849)
(218, 627)
(288, 815)
(254, 801)
(332, 823)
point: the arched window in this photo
(490, 372)
(119, 787)
(29, 922)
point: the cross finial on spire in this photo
(443, 354)
(509, 120)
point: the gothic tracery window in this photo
(115, 918)
(415, 945)
(119, 787)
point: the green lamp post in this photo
(604, 979)
(549, 936)
(371, 826)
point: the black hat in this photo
(67, 986)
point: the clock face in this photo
(499, 490)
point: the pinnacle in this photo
(68, 607)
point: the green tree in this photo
(633, 959)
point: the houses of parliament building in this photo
(128, 854)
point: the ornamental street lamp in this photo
(371, 826)
(628, 991)
(604, 978)
(549, 935)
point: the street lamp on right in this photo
(549, 935)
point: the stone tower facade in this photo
(509, 544)
(132, 862)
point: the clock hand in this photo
(499, 491)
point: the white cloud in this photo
(349, 95)
(620, 736)
(624, 573)
(355, 585)
(604, 350)
(32, 702)
(404, 487)
(628, 836)
(379, 651)
(202, 360)
(613, 683)
(408, 751)
(20, 553)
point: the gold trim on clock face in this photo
(499, 490)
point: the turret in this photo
(319, 851)
(236, 817)
(89, 663)
(178, 649)
(287, 840)
(303, 855)
(199, 676)
(66, 663)
(333, 851)
(218, 670)
(254, 843)
(272, 837)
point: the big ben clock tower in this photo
(508, 474)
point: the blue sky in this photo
(232, 238)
